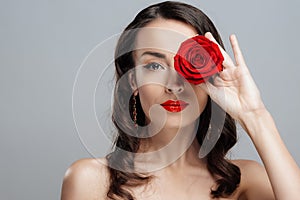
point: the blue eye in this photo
(154, 66)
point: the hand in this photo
(233, 89)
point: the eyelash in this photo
(151, 65)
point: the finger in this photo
(227, 60)
(239, 59)
(220, 82)
(210, 89)
(216, 94)
(228, 74)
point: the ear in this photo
(132, 82)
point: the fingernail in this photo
(208, 33)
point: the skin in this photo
(160, 82)
(187, 177)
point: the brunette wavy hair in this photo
(226, 174)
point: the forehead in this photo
(164, 35)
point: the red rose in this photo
(197, 59)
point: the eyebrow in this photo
(156, 54)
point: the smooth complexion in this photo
(187, 177)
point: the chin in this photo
(179, 121)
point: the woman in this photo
(164, 105)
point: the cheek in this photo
(202, 98)
(150, 95)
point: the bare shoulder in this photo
(86, 179)
(255, 182)
(251, 171)
(248, 166)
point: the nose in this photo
(175, 83)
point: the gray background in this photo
(43, 43)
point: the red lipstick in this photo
(174, 105)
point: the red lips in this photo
(174, 105)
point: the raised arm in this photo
(236, 92)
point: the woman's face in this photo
(156, 81)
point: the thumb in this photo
(209, 88)
(217, 94)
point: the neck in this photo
(172, 148)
